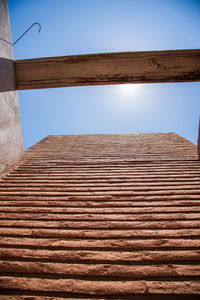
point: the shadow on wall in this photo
(7, 75)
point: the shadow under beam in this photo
(7, 75)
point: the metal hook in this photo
(22, 34)
(27, 31)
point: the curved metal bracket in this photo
(27, 31)
(36, 23)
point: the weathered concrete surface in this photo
(11, 145)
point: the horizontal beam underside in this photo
(108, 68)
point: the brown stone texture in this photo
(102, 217)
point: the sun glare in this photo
(126, 94)
(129, 89)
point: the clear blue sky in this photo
(71, 27)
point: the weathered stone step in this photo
(99, 270)
(93, 224)
(133, 257)
(180, 189)
(97, 203)
(106, 244)
(100, 234)
(89, 287)
(100, 181)
(110, 191)
(98, 210)
(98, 184)
(99, 197)
(101, 217)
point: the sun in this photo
(126, 94)
(129, 89)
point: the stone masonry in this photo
(102, 217)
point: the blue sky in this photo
(71, 27)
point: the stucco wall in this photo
(11, 145)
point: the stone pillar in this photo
(11, 145)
